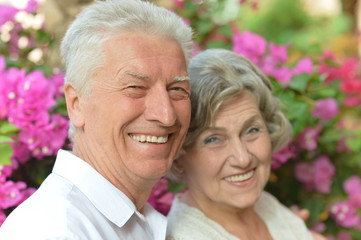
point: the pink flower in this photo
(5, 171)
(179, 3)
(323, 174)
(319, 227)
(282, 74)
(7, 13)
(344, 214)
(11, 194)
(325, 109)
(352, 101)
(21, 153)
(31, 6)
(307, 139)
(303, 66)
(304, 172)
(250, 45)
(279, 53)
(283, 155)
(33, 101)
(47, 139)
(344, 236)
(57, 84)
(352, 185)
(351, 85)
(160, 198)
(317, 175)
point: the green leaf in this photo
(315, 206)
(5, 139)
(6, 128)
(298, 113)
(331, 135)
(226, 30)
(175, 187)
(191, 8)
(5, 154)
(60, 107)
(284, 95)
(219, 44)
(204, 27)
(299, 82)
(354, 144)
(327, 92)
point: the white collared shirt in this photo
(76, 202)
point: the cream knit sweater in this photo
(189, 223)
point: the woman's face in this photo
(229, 164)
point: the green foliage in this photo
(6, 132)
(284, 21)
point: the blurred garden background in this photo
(310, 49)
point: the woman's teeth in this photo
(150, 139)
(240, 178)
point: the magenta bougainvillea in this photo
(318, 169)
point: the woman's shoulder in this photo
(280, 220)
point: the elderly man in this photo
(127, 93)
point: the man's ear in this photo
(73, 105)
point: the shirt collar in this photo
(108, 199)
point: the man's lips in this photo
(149, 138)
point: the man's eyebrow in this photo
(147, 77)
(181, 79)
(138, 75)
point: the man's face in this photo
(138, 112)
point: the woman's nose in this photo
(240, 155)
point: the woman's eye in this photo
(253, 130)
(212, 139)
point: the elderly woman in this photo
(236, 125)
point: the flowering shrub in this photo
(319, 169)
(31, 126)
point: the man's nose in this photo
(160, 108)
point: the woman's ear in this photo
(73, 105)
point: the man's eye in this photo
(140, 87)
(178, 93)
(134, 91)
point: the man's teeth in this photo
(150, 139)
(239, 178)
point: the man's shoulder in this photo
(51, 209)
